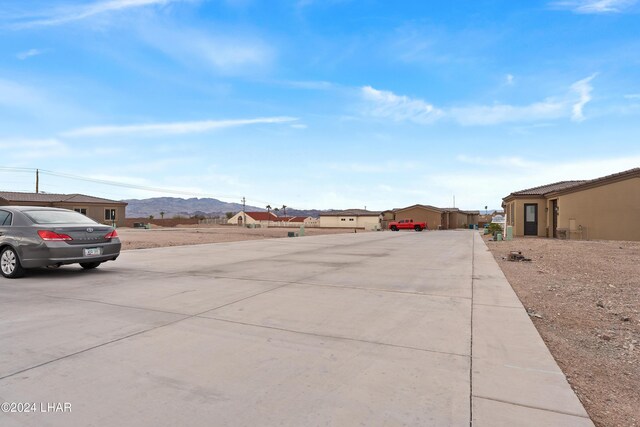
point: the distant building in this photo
(436, 218)
(269, 219)
(606, 208)
(104, 211)
(351, 218)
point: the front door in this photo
(531, 219)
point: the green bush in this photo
(495, 228)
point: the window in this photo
(5, 218)
(110, 214)
(57, 217)
(350, 219)
(342, 219)
(83, 211)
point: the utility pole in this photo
(37, 180)
(454, 200)
(244, 215)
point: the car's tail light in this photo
(52, 235)
(111, 235)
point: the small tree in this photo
(229, 215)
(276, 210)
(150, 217)
(161, 214)
(284, 210)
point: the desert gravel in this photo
(584, 299)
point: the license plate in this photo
(92, 251)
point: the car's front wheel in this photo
(417, 228)
(394, 228)
(10, 264)
(89, 265)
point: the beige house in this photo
(436, 218)
(246, 218)
(269, 219)
(606, 208)
(104, 211)
(351, 218)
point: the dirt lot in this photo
(134, 238)
(584, 299)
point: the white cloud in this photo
(224, 52)
(25, 149)
(173, 128)
(385, 104)
(583, 88)
(387, 167)
(80, 12)
(483, 115)
(29, 53)
(632, 96)
(594, 6)
(509, 79)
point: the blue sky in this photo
(318, 104)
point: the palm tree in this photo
(162, 215)
(284, 210)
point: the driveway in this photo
(352, 329)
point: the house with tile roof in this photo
(606, 208)
(104, 211)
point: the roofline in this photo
(608, 179)
(597, 182)
(418, 205)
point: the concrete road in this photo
(355, 329)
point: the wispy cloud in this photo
(376, 168)
(583, 88)
(29, 53)
(632, 96)
(69, 14)
(224, 52)
(173, 128)
(25, 148)
(594, 6)
(509, 79)
(385, 104)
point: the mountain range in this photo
(208, 207)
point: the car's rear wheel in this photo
(394, 228)
(417, 228)
(89, 265)
(10, 264)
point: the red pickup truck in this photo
(407, 224)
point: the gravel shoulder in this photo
(584, 299)
(135, 238)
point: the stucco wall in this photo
(347, 221)
(418, 214)
(518, 215)
(608, 212)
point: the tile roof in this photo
(549, 188)
(262, 216)
(575, 185)
(54, 198)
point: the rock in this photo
(625, 319)
(600, 304)
(605, 337)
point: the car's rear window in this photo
(57, 217)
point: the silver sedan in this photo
(32, 237)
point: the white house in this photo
(351, 218)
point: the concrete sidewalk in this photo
(354, 329)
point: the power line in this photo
(122, 184)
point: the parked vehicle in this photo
(407, 224)
(32, 237)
